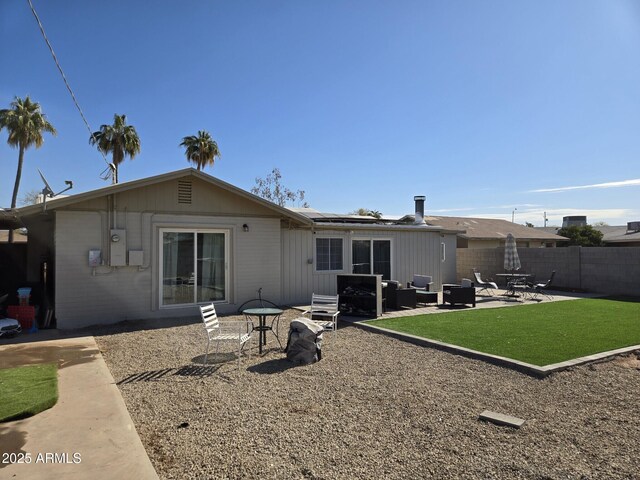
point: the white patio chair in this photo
(325, 307)
(484, 285)
(236, 332)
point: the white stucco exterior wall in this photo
(412, 252)
(87, 296)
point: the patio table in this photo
(424, 296)
(512, 280)
(262, 314)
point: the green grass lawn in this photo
(540, 334)
(25, 391)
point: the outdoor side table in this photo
(262, 327)
(423, 296)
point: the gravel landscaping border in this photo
(373, 407)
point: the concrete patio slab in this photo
(87, 434)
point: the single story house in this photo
(491, 232)
(159, 246)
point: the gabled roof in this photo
(488, 228)
(54, 203)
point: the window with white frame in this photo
(328, 254)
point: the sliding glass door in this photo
(361, 256)
(382, 258)
(370, 256)
(193, 266)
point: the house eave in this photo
(54, 203)
(380, 227)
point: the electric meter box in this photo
(118, 248)
(95, 257)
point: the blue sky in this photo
(483, 107)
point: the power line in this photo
(64, 78)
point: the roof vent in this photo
(574, 221)
(184, 192)
(633, 226)
(419, 199)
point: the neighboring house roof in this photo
(338, 221)
(487, 228)
(610, 234)
(54, 203)
(9, 220)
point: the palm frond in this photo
(119, 139)
(201, 149)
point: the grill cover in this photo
(304, 343)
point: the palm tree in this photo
(120, 139)
(25, 124)
(201, 149)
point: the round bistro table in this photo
(262, 314)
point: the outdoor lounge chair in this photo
(422, 282)
(397, 297)
(484, 285)
(236, 332)
(459, 294)
(324, 311)
(538, 288)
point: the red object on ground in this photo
(25, 314)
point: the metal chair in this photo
(521, 286)
(326, 307)
(236, 332)
(538, 288)
(481, 285)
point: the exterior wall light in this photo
(245, 227)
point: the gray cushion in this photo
(421, 281)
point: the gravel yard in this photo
(374, 407)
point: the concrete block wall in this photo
(611, 270)
(596, 269)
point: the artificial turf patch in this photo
(541, 334)
(28, 390)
